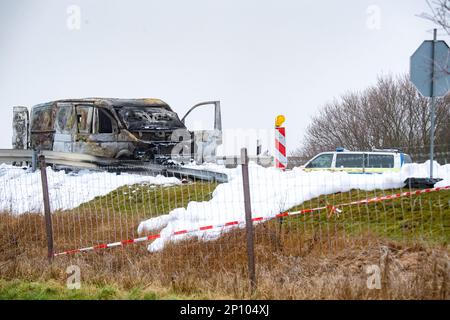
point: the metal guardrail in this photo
(55, 158)
(12, 155)
(199, 174)
(84, 161)
(234, 161)
(77, 160)
(262, 160)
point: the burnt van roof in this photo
(116, 102)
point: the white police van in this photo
(375, 161)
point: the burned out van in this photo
(140, 129)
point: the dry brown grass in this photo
(290, 265)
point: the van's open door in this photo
(207, 141)
(21, 124)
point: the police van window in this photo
(406, 158)
(380, 161)
(322, 161)
(349, 160)
(104, 122)
(84, 119)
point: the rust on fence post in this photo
(47, 213)
(248, 221)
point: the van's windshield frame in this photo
(139, 118)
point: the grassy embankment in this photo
(310, 256)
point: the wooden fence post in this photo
(248, 221)
(47, 213)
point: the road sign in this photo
(422, 72)
(430, 73)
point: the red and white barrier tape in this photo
(332, 209)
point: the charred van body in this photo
(140, 129)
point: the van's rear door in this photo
(21, 124)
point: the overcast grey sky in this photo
(260, 58)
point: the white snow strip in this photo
(273, 191)
(21, 191)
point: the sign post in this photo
(280, 143)
(430, 73)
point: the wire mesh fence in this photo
(191, 233)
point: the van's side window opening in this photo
(379, 161)
(322, 161)
(349, 160)
(84, 118)
(104, 122)
(65, 119)
(42, 119)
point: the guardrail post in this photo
(34, 160)
(248, 221)
(47, 213)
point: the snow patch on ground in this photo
(273, 191)
(21, 191)
(213, 167)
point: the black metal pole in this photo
(433, 103)
(248, 221)
(47, 213)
